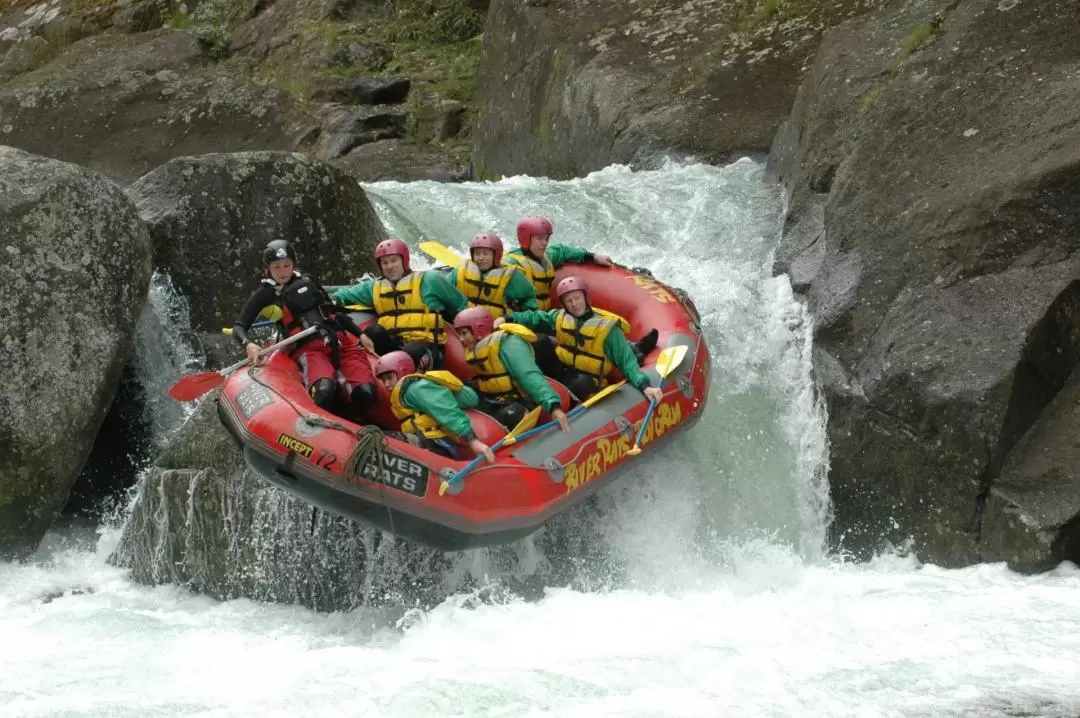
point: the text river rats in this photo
(399, 473)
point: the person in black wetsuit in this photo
(328, 358)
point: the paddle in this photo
(227, 331)
(527, 422)
(666, 363)
(441, 254)
(605, 392)
(193, 386)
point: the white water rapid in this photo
(726, 603)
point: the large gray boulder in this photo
(566, 87)
(74, 277)
(210, 217)
(933, 163)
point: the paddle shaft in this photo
(529, 418)
(554, 422)
(475, 462)
(663, 371)
(644, 423)
(283, 343)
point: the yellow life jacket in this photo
(492, 377)
(402, 311)
(413, 422)
(541, 274)
(581, 347)
(485, 290)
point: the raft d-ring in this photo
(686, 386)
(554, 468)
(624, 426)
(455, 488)
(308, 425)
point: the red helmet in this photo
(476, 319)
(398, 362)
(529, 226)
(571, 284)
(390, 247)
(488, 240)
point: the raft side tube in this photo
(373, 504)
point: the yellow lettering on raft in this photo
(658, 292)
(293, 444)
(610, 451)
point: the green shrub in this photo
(431, 22)
(213, 20)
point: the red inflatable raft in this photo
(313, 455)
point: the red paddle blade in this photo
(193, 386)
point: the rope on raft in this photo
(370, 444)
(368, 452)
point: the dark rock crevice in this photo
(1066, 544)
(1051, 355)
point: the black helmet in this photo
(279, 249)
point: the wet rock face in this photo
(396, 160)
(74, 277)
(201, 519)
(567, 87)
(123, 105)
(933, 162)
(211, 216)
(120, 450)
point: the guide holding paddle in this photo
(336, 360)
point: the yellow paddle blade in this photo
(227, 331)
(442, 254)
(527, 422)
(603, 393)
(358, 308)
(670, 359)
